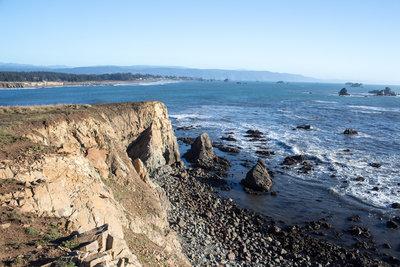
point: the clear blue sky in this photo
(343, 39)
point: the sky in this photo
(357, 40)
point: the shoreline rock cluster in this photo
(215, 231)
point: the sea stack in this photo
(258, 179)
(343, 92)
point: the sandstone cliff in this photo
(90, 166)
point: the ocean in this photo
(331, 190)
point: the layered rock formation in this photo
(90, 165)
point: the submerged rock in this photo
(292, 160)
(264, 152)
(395, 205)
(375, 164)
(304, 127)
(359, 179)
(228, 138)
(186, 140)
(226, 148)
(258, 178)
(392, 224)
(350, 131)
(185, 128)
(254, 135)
(343, 92)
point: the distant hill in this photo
(217, 74)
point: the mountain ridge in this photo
(217, 74)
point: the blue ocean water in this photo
(276, 109)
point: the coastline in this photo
(37, 85)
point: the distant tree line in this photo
(41, 76)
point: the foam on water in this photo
(286, 141)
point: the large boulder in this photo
(201, 149)
(201, 154)
(257, 179)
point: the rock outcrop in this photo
(257, 179)
(201, 154)
(91, 165)
(350, 131)
(385, 92)
(343, 92)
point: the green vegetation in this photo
(31, 231)
(41, 76)
(70, 244)
(53, 234)
(6, 138)
(63, 263)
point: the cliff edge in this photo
(80, 168)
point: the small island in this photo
(351, 84)
(385, 92)
(343, 92)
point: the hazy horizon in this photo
(342, 40)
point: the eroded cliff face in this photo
(91, 165)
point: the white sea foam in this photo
(372, 108)
(284, 141)
(325, 102)
(146, 83)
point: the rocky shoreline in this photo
(35, 85)
(215, 231)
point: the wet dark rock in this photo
(354, 218)
(396, 219)
(375, 188)
(185, 128)
(264, 152)
(350, 131)
(229, 138)
(304, 127)
(186, 140)
(213, 227)
(254, 134)
(226, 148)
(306, 167)
(395, 205)
(375, 164)
(343, 92)
(385, 92)
(246, 163)
(359, 179)
(359, 231)
(258, 178)
(292, 160)
(392, 224)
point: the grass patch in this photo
(31, 231)
(70, 244)
(53, 234)
(64, 263)
(7, 138)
